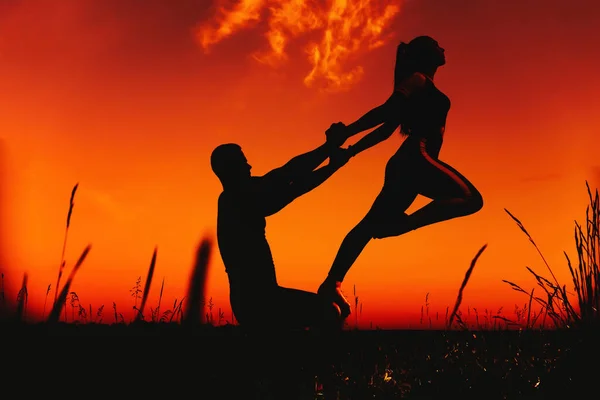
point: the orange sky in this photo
(126, 101)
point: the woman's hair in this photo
(411, 56)
(404, 67)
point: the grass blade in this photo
(147, 285)
(464, 284)
(55, 313)
(197, 284)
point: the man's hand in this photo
(339, 157)
(336, 134)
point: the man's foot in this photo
(333, 290)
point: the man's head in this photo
(229, 163)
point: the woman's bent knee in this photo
(470, 204)
(475, 201)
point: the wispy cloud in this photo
(341, 30)
(106, 203)
(542, 178)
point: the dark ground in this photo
(158, 360)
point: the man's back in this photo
(242, 242)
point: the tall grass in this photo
(140, 314)
(562, 307)
(46, 300)
(22, 298)
(197, 285)
(62, 297)
(64, 247)
(156, 313)
(135, 291)
(463, 285)
(556, 301)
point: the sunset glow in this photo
(129, 101)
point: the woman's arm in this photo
(377, 136)
(393, 106)
(372, 118)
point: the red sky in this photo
(125, 100)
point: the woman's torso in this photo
(424, 117)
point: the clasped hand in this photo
(336, 136)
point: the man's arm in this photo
(277, 197)
(297, 167)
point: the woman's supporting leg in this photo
(387, 204)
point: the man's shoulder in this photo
(225, 200)
(238, 196)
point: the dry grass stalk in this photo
(586, 277)
(62, 257)
(55, 313)
(197, 285)
(147, 285)
(463, 285)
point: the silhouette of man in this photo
(256, 298)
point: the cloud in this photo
(106, 204)
(541, 178)
(344, 30)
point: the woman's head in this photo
(426, 52)
(421, 54)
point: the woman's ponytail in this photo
(403, 69)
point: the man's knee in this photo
(331, 316)
(332, 311)
(244, 308)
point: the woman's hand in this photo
(336, 134)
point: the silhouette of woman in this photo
(420, 108)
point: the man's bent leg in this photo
(302, 309)
(248, 305)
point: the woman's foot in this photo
(332, 290)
